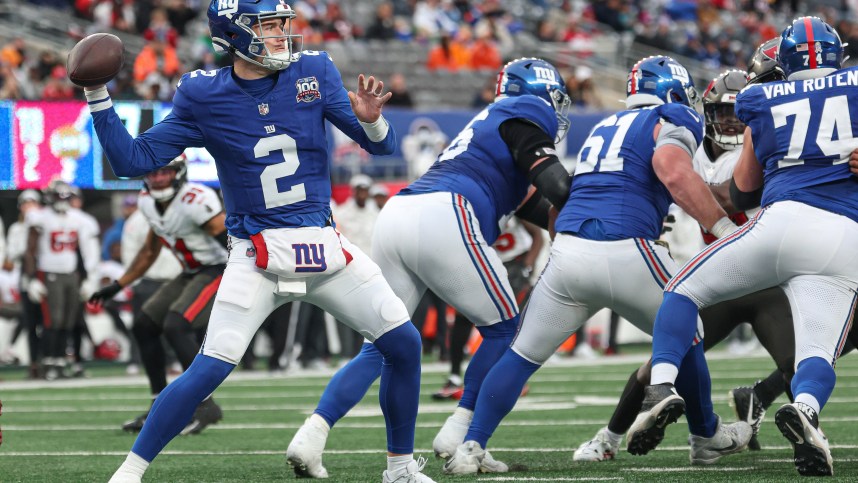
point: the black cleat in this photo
(661, 406)
(136, 424)
(208, 412)
(799, 424)
(748, 408)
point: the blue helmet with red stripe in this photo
(659, 80)
(809, 48)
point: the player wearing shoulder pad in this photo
(767, 310)
(437, 234)
(50, 269)
(187, 218)
(263, 121)
(629, 171)
(808, 224)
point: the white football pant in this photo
(811, 253)
(434, 241)
(357, 295)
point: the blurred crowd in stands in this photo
(459, 35)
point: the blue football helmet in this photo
(538, 78)
(809, 48)
(232, 21)
(659, 80)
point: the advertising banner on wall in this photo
(51, 140)
(40, 141)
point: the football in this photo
(95, 60)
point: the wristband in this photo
(98, 99)
(723, 227)
(376, 131)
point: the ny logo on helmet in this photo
(679, 72)
(227, 7)
(545, 74)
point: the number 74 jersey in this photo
(180, 226)
(803, 133)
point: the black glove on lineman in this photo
(106, 293)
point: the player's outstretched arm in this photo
(672, 165)
(151, 150)
(144, 259)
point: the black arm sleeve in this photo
(743, 200)
(528, 143)
(535, 210)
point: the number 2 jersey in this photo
(271, 152)
(479, 166)
(180, 226)
(803, 135)
(615, 192)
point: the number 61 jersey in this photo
(616, 194)
(180, 226)
(803, 133)
(270, 151)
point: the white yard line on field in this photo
(371, 451)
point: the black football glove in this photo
(105, 294)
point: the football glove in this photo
(105, 294)
(36, 290)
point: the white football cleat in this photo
(466, 460)
(728, 439)
(491, 465)
(409, 474)
(124, 477)
(304, 453)
(600, 448)
(451, 435)
(799, 423)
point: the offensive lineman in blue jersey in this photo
(633, 165)
(263, 120)
(437, 233)
(803, 239)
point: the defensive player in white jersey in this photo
(264, 122)
(633, 164)
(768, 311)
(188, 219)
(51, 269)
(803, 239)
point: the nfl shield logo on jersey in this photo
(308, 89)
(263, 109)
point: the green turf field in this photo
(69, 431)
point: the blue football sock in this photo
(400, 385)
(499, 394)
(694, 385)
(350, 384)
(814, 376)
(675, 326)
(496, 340)
(175, 406)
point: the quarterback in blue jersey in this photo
(803, 239)
(437, 234)
(263, 121)
(632, 166)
